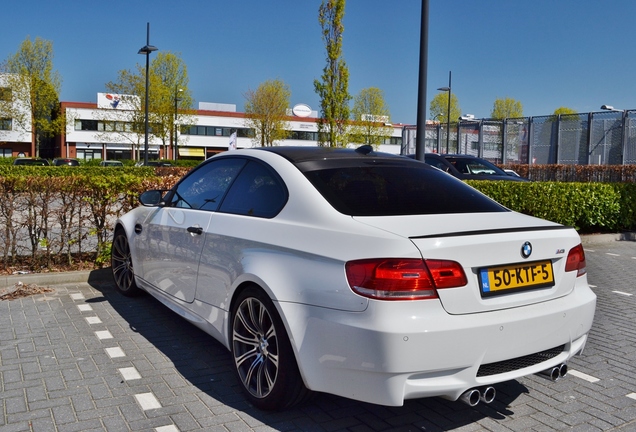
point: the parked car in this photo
(66, 162)
(466, 167)
(111, 163)
(31, 161)
(366, 275)
(154, 163)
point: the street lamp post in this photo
(449, 90)
(146, 50)
(174, 123)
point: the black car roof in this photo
(308, 154)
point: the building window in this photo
(88, 154)
(216, 131)
(6, 152)
(6, 95)
(86, 125)
(5, 124)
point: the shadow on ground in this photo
(207, 365)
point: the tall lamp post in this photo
(449, 90)
(174, 123)
(146, 50)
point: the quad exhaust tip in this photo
(555, 373)
(473, 396)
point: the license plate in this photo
(515, 277)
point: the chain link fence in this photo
(596, 138)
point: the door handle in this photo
(195, 230)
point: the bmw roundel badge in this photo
(526, 250)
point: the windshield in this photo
(475, 166)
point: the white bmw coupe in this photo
(366, 275)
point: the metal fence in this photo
(596, 138)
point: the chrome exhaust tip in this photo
(555, 373)
(488, 394)
(471, 397)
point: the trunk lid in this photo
(507, 257)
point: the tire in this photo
(122, 266)
(263, 358)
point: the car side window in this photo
(257, 191)
(436, 163)
(205, 186)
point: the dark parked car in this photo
(111, 163)
(466, 167)
(31, 161)
(154, 163)
(66, 162)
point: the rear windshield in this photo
(397, 189)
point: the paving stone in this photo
(56, 374)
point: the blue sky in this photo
(544, 53)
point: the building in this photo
(103, 131)
(15, 140)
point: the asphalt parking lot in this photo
(84, 358)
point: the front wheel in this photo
(122, 266)
(263, 357)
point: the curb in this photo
(105, 274)
(592, 239)
(44, 279)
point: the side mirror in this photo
(152, 198)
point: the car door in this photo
(172, 239)
(256, 196)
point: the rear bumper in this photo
(395, 351)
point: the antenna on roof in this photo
(365, 149)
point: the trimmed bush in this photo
(589, 207)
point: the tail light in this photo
(403, 279)
(576, 261)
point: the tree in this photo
(564, 111)
(333, 88)
(370, 115)
(266, 112)
(169, 99)
(438, 108)
(35, 89)
(504, 108)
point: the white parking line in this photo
(147, 401)
(93, 320)
(85, 307)
(129, 373)
(77, 296)
(170, 428)
(115, 352)
(583, 376)
(611, 254)
(103, 334)
(623, 293)
(632, 395)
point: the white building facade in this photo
(100, 131)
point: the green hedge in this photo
(589, 207)
(53, 215)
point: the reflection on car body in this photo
(366, 275)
